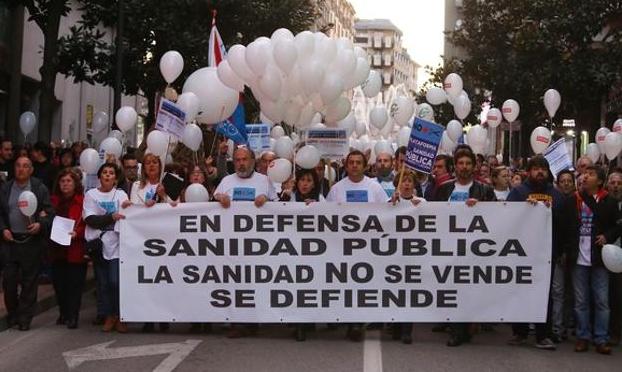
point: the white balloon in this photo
(308, 157)
(228, 77)
(270, 82)
(277, 132)
(318, 126)
(305, 44)
(360, 52)
(612, 258)
(192, 137)
(216, 101)
(552, 100)
(325, 48)
(613, 145)
(196, 193)
(338, 110)
(115, 133)
(189, 103)
(280, 34)
(360, 129)
(425, 112)
(89, 161)
(372, 85)
(361, 72)
(436, 96)
(348, 123)
(265, 120)
(476, 138)
(617, 126)
(157, 142)
(403, 136)
(332, 87)
(27, 203)
(453, 84)
(402, 109)
(329, 173)
(279, 170)
(274, 110)
(311, 75)
(447, 145)
(462, 107)
(284, 148)
(510, 110)
(27, 122)
(257, 55)
(236, 56)
(171, 65)
(540, 139)
(111, 146)
(454, 130)
(306, 116)
(126, 118)
(292, 113)
(285, 54)
(100, 122)
(383, 146)
(593, 152)
(494, 117)
(601, 133)
(378, 117)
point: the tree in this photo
(153, 27)
(47, 15)
(520, 48)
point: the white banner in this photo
(328, 262)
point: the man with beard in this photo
(537, 188)
(245, 184)
(384, 172)
(614, 187)
(592, 222)
(463, 189)
(442, 173)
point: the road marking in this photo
(178, 352)
(372, 352)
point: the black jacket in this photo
(477, 191)
(43, 205)
(605, 222)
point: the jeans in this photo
(591, 282)
(107, 276)
(557, 296)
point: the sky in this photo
(421, 22)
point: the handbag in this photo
(95, 248)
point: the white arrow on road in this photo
(178, 352)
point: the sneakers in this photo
(546, 344)
(518, 341)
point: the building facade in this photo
(75, 104)
(382, 41)
(336, 18)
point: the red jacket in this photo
(75, 252)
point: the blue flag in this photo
(234, 128)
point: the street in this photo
(48, 347)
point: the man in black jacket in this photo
(592, 219)
(538, 188)
(463, 189)
(23, 246)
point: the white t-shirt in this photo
(140, 195)
(246, 189)
(387, 186)
(367, 190)
(502, 195)
(97, 203)
(585, 236)
(421, 200)
(460, 193)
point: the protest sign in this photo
(331, 143)
(328, 262)
(258, 137)
(558, 157)
(170, 118)
(423, 144)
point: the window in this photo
(377, 60)
(387, 60)
(388, 42)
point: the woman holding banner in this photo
(101, 213)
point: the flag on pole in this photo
(234, 127)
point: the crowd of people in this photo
(585, 298)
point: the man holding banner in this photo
(356, 187)
(463, 189)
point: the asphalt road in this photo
(48, 347)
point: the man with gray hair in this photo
(245, 184)
(384, 172)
